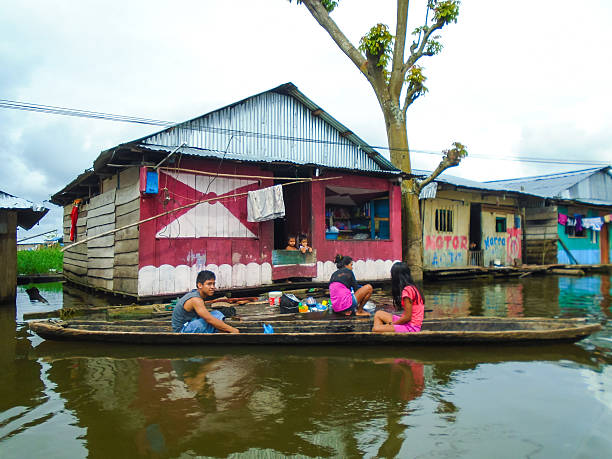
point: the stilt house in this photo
(567, 216)
(173, 203)
(14, 212)
(468, 223)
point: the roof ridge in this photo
(546, 176)
(289, 90)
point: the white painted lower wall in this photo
(167, 279)
(365, 270)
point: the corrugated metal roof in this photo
(279, 125)
(460, 182)
(8, 201)
(28, 213)
(578, 186)
(582, 185)
(550, 185)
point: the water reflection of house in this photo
(468, 223)
(557, 203)
(272, 138)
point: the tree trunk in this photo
(412, 233)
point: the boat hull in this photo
(470, 330)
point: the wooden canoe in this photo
(463, 330)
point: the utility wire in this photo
(54, 110)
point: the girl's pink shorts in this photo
(406, 328)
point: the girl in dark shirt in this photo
(344, 301)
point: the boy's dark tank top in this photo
(179, 315)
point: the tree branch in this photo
(396, 81)
(411, 96)
(451, 158)
(415, 56)
(322, 16)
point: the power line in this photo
(524, 159)
(55, 110)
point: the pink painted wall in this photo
(224, 248)
(359, 250)
(222, 235)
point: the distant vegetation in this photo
(41, 261)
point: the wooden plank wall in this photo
(101, 251)
(108, 262)
(127, 211)
(75, 258)
(541, 235)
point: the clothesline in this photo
(580, 222)
(194, 171)
(191, 204)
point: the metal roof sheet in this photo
(28, 213)
(563, 185)
(8, 201)
(460, 182)
(550, 185)
(279, 125)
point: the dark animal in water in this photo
(35, 295)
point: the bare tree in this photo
(398, 81)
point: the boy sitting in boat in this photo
(407, 296)
(190, 314)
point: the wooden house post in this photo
(8, 255)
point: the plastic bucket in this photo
(275, 298)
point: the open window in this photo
(501, 224)
(356, 214)
(571, 231)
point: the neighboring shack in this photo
(468, 223)
(195, 202)
(14, 212)
(556, 204)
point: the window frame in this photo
(498, 221)
(570, 232)
(373, 218)
(443, 220)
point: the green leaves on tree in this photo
(446, 11)
(455, 154)
(416, 81)
(377, 43)
(329, 5)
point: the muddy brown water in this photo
(100, 400)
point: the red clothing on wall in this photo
(74, 215)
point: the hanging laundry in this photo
(265, 204)
(594, 223)
(562, 219)
(74, 216)
(607, 218)
(570, 226)
(579, 226)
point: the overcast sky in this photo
(525, 78)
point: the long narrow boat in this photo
(463, 330)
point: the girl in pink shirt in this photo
(407, 296)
